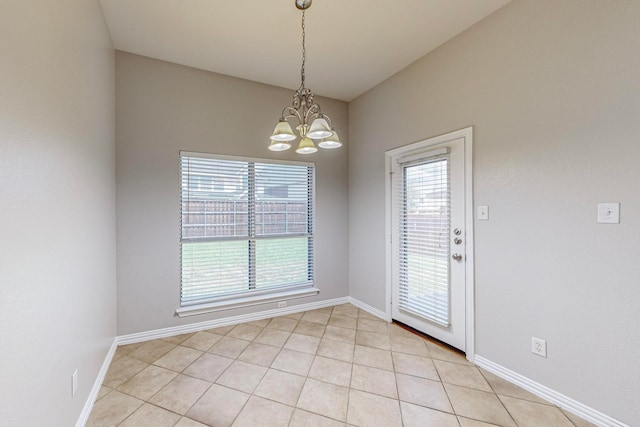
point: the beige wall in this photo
(57, 207)
(163, 108)
(551, 88)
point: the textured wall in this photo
(57, 207)
(551, 88)
(163, 108)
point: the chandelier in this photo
(312, 125)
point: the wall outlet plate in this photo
(538, 346)
(483, 213)
(282, 304)
(608, 213)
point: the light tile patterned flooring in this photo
(336, 366)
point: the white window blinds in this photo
(246, 227)
(424, 208)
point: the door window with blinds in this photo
(246, 227)
(423, 212)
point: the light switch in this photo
(608, 213)
(483, 212)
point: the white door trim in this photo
(467, 135)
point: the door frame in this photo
(467, 135)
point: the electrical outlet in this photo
(74, 382)
(538, 346)
(282, 304)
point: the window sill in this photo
(245, 301)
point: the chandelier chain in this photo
(304, 51)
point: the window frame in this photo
(252, 296)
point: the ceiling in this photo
(352, 45)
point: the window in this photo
(246, 228)
(424, 223)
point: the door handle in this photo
(457, 257)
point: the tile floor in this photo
(336, 366)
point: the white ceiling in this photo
(352, 45)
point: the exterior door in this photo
(428, 239)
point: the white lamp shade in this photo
(283, 132)
(306, 146)
(319, 129)
(332, 142)
(279, 145)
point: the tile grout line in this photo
(221, 374)
(435, 367)
(353, 359)
(523, 399)
(498, 397)
(190, 376)
(395, 377)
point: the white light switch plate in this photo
(483, 212)
(608, 213)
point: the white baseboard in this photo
(210, 324)
(366, 307)
(97, 384)
(564, 402)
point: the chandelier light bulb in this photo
(306, 146)
(319, 129)
(279, 146)
(331, 142)
(283, 132)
